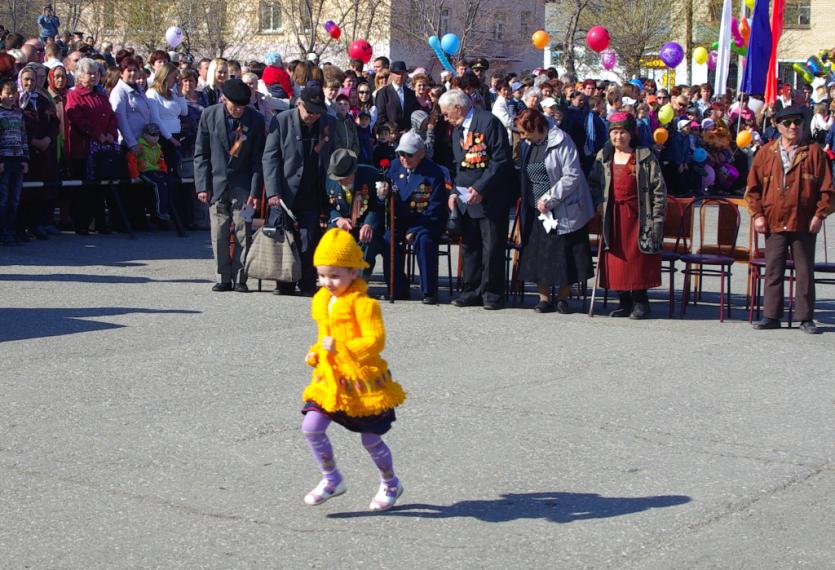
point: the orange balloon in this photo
(660, 136)
(540, 39)
(743, 139)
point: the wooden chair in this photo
(713, 259)
(411, 260)
(678, 239)
(513, 249)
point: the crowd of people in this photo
(454, 153)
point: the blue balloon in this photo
(450, 44)
(435, 44)
(699, 155)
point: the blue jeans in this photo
(11, 186)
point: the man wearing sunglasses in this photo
(419, 192)
(789, 194)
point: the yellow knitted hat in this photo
(338, 248)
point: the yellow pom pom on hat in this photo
(338, 248)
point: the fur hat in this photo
(338, 248)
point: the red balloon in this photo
(361, 50)
(598, 38)
(335, 32)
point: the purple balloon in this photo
(672, 54)
(608, 59)
(709, 178)
(712, 57)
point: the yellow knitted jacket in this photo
(353, 379)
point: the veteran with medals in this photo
(419, 193)
(485, 183)
(353, 204)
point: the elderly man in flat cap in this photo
(789, 194)
(228, 175)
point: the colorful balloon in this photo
(743, 139)
(712, 58)
(540, 39)
(744, 31)
(700, 55)
(750, 4)
(608, 59)
(450, 44)
(174, 36)
(671, 54)
(709, 178)
(660, 136)
(738, 39)
(435, 44)
(803, 73)
(740, 51)
(666, 114)
(699, 155)
(598, 38)
(361, 50)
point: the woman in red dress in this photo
(627, 183)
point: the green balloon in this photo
(714, 45)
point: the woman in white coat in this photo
(556, 209)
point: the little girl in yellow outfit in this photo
(351, 384)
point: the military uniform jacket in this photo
(420, 196)
(363, 197)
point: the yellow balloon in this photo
(540, 39)
(750, 4)
(700, 55)
(666, 114)
(743, 139)
(660, 136)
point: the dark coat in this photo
(371, 208)
(652, 196)
(284, 154)
(421, 197)
(215, 171)
(42, 121)
(496, 180)
(389, 109)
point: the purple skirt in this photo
(377, 424)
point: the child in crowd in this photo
(365, 137)
(643, 124)
(821, 123)
(331, 90)
(149, 165)
(276, 79)
(346, 131)
(422, 125)
(351, 384)
(384, 149)
(14, 160)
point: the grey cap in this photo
(410, 143)
(516, 86)
(342, 165)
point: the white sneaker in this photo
(324, 491)
(386, 497)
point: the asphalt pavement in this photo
(146, 422)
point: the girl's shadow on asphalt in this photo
(555, 507)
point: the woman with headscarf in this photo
(42, 129)
(89, 118)
(628, 186)
(58, 89)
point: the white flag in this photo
(723, 59)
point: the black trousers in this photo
(803, 253)
(483, 256)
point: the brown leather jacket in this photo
(788, 205)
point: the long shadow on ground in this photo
(555, 507)
(21, 324)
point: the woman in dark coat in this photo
(42, 128)
(554, 192)
(628, 184)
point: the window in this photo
(498, 28)
(270, 17)
(525, 19)
(797, 15)
(443, 22)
